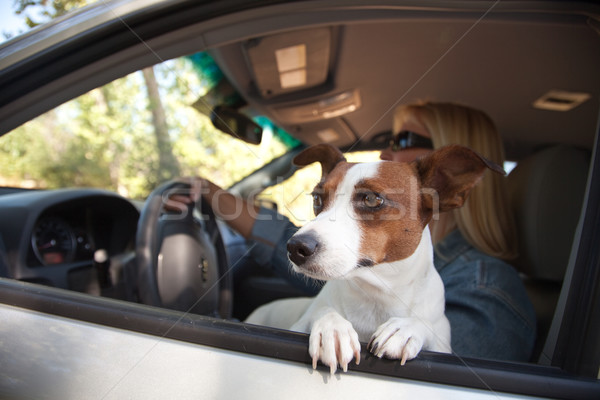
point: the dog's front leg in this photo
(332, 340)
(400, 338)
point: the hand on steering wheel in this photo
(179, 200)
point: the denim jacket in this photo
(490, 313)
(488, 308)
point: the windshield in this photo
(135, 132)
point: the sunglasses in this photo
(409, 139)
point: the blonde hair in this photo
(485, 220)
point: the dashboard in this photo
(84, 240)
(59, 237)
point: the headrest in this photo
(546, 192)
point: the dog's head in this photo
(373, 213)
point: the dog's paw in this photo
(398, 338)
(334, 341)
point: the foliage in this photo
(46, 9)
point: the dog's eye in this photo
(372, 200)
(317, 203)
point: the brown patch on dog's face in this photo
(390, 213)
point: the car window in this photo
(132, 134)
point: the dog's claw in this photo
(343, 364)
(356, 348)
(374, 348)
(404, 357)
(344, 367)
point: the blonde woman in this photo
(485, 220)
(489, 311)
(486, 303)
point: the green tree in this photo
(168, 166)
(45, 9)
(37, 12)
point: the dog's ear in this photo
(451, 172)
(329, 156)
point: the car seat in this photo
(546, 193)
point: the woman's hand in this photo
(180, 199)
(235, 211)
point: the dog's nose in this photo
(301, 247)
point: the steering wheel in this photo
(181, 259)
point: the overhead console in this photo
(290, 78)
(289, 62)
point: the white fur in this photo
(398, 306)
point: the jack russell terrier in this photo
(370, 242)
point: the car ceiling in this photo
(501, 62)
(364, 57)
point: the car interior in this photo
(337, 104)
(334, 74)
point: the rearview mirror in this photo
(236, 124)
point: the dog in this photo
(371, 244)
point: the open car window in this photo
(100, 108)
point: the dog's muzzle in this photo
(301, 248)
